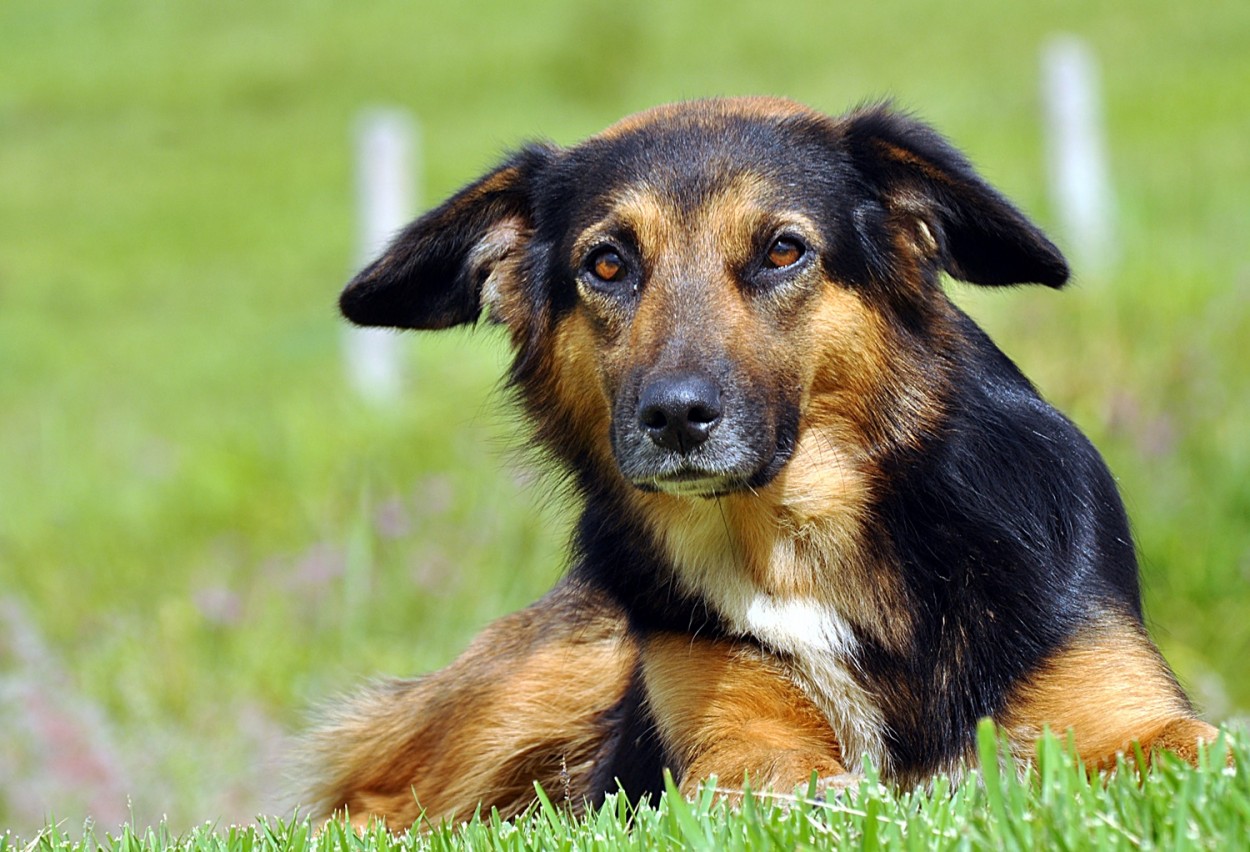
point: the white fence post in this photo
(386, 143)
(1076, 149)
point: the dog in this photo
(823, 517)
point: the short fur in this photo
(822, 515)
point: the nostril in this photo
(654, 418)
(704, 415)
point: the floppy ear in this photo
(432, 274)
(976, 233)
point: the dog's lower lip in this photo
(691, 483)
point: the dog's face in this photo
(694, 289)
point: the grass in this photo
(1056, 805)
(202, 531)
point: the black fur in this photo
(614, 552)
(425, 279)
(632, 759)
(841, 173)
(1009, 534)
(1000, 517)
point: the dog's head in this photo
(695, 288)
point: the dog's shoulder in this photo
(1009, 490)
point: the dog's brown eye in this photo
(784, 252)
(607, 266)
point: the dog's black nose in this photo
(679, 411)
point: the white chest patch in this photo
(813, 635)
(822, 646)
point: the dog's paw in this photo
(832, 788)
(1184, 738)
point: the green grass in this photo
(1055, 806)
(202, 531)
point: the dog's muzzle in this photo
(690, 433)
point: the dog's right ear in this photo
(431, 276)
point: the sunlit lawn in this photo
(203, 531)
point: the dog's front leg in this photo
(728, 709)
(535, 697)
(1112, 693)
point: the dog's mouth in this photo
(688, 478)
(701, 443)
(690, 482)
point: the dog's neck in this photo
(791, 566)
(803, 537)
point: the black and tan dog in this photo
(822, 515)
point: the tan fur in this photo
(791, 550)
(1108, 689)
(576, 389)
(1182, 737)
(522, 704)
(502, 240)
(762, 106)
(786, 564)
(771, 568)
(907, 158)
(496, 254)
(636, 208)
(729, 710)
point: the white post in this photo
(386, 158)
(1076, 149)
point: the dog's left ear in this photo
(432, 274)
(976, 233)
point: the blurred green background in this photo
(203, 531)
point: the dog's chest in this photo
(804, 627)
